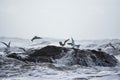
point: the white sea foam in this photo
(16, 70)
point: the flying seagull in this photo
(110, 44)
(63, 44)
(35, 37)
(22, 49)
(73, 44)
(7, 45)
(7, 49)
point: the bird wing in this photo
(39, 37)
(9, 44)
(73, 42)
(5, 44)
(77, 45)
(112, 46)
(22, 49)
(60, 42)
(66, 41)
(70, 44)
(33, 38)
(106, 45)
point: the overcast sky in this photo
(81, 19)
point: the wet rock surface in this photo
(80, 57)
(95, 58)
(80, 79)
(46, 54)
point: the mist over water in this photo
(88, 19)
(92, 23)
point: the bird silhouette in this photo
(27, 51)
(7, 49)
(22, 49)
(7, 45)
(73, 43)
(110, 44)
(63, 43)
(35, 37)
(77, 46)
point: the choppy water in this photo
(47, 71)
(13, 69)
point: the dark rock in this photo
(80, 79)
(97, 58)
(48, 51)
(46, 54)
(14, 55)
(17, 56)
(39, 59)
(80, 57)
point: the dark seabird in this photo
(63, 44)
(35, 37)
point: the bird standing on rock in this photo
(35, 37)
(63, 44)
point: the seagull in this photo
(77, 46)
(22, 49)
(7, 45)
(110, 44)
(35, 37)
(7, 49)
(73, 43)
(63, 44)
(27, 51)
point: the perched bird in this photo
(63, 44)
(7, 49)
(110, 44)
(35, 37)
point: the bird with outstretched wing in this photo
(22, 49)
(63, 44)
(7, 49)
(7, 45)
(35, 37)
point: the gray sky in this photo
(81, 19)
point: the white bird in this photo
(7, 49)
(7, 45)
(73, 43)
(110, 44)
(22, 49)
